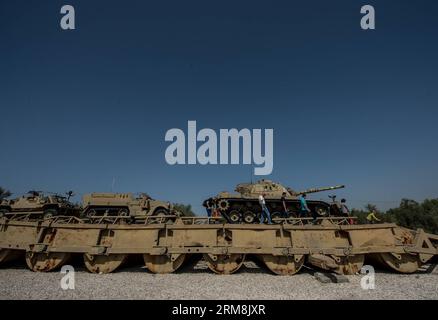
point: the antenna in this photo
(112, 184)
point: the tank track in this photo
(165, 243)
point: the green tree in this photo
(4, 193)
(410, 214)
(413, 215)
(371, 207)
(185, 209)
(360, 214)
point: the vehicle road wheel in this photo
(275, 217)
(123, 215)
(223, 263)
(46, 261)
(283, 265)
(234, 216)
(321, 211)
(103, 263)
(249, 217)
(49, 214)
(90, 213)
(351, 264)
(163, 263)
(161, 212)
(403, 263)
(160, 216)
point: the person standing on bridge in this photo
(208, 204)
(283, 202)
(265, 211)
(346, 211)
(304, 209)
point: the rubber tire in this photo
(275, 215)
(327, 211)
(123, 213)
(3, 212)
(90, 213)
(50, 213)
(161, 211)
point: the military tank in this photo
(124, 205)
(37, 203)
(244, 206)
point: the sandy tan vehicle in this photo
(333, 244)
(243, 206)
(283, 248)
(124, 205)
(36, 203)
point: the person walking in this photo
(283, 201)
(304, 209)
(265, 211)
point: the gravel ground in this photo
(194, 281)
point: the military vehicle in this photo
(124, 205)
(36, 203)
(283, 248)
(332, 244)
(244, 206)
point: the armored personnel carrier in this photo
(244, 206)
(124, 205)
(36, 203)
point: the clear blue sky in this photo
(81, 108)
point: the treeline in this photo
(409, 214)
(4, 193)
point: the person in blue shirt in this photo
(304, 209)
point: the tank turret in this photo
(262, 186)
(273, 189)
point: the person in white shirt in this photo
(265, 211)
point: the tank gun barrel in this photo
(314, 190)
